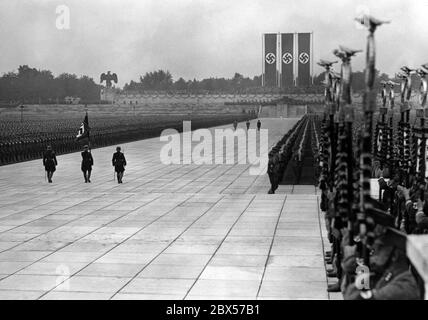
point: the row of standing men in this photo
(387, 275)
(50, 163)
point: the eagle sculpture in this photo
(108, 78)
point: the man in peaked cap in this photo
(390, 277)
(389, 191)
(87, 163)
(389, 271)
(50, 162)
(235, 124)
(119, 163)
(421, 216)
(248, 124)
(271, 170)
(377, 216)
(411, 198)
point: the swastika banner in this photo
(270, 59)
(304, 60)
(287, 60)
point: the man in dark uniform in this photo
(50, 162)
(422, 218)
(389, 272)
(335, 238)
(87, 163)
(119, 163)
(2, 153)
(272, 171)
(421, 214)
(259, 124)
(235, 124)
(14, 152)
(248, 124)
(411, 197)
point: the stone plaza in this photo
(168, 232)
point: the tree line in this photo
(161, 80)
(29, 85)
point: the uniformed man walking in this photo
(248, 124)
(119, 163)
(259, 125)
(49, 162)
(87, 163)
(272, 171)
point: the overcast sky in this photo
(199, 38)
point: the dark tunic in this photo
(87, 161)
(49, 161)
(392, 286)
(119, 161)
(273, 172)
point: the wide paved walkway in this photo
(168, 232)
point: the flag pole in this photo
(263, 59)
(89, 141)
(89, 131)
(312, 57)
(279, 59)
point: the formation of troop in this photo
(288, 154)
(367, 235)
(311, 98)
(50, 163)
(247, 124)
(27, 140)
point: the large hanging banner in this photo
(287, 60)
(304, 60)
(270, 73)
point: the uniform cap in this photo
(394, 238)
(378, 213)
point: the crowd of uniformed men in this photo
(367, 235)
(19, 148)
(289, 151)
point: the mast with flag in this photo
(84, 130)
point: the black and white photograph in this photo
(213, 150)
